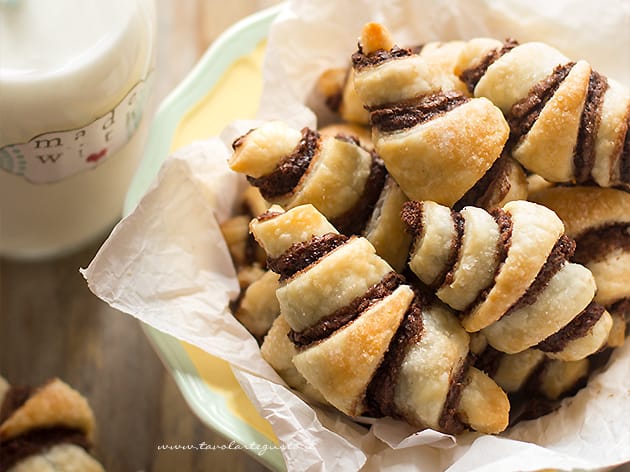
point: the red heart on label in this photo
(96, 156)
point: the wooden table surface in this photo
(52, 325)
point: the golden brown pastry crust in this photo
(344, 360)
(443, 158)
(568, 122)
(509, 275)
(53, 404)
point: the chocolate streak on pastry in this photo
(473, 75)
(595, 244)
(410, 113)
(449, 421)
(525, 112)
(382, 388)
(331, 323)
(562, 251)
(446, 278)
(15, 397)
(302, 254)
(584, 153)
(353, 221)
(411, 215)
(284, 178)
(378, 57)
(34, 442)
(490, 189)
(504, 222)
(577, 328)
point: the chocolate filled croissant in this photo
(337, 85)
(46, 429)
(508, 272)
(344, 181)
(435, 140)
(363, 338)
(568, 123)
(599, 221)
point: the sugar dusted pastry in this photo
(363, 338)
(338, 89)
(46, 429)
(568, 123)
(342, 179)
(508, 272)
(435, 141)
(599, 221)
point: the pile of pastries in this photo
(455, 250)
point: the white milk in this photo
(73, 81)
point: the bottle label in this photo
(57, 155)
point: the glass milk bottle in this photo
(74, 76)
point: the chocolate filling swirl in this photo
(597, 243)
(560, 253)
(584, 153)
(302, 254)
(331, 323)
(473, 75)
(415, 111)
(504, 222)
(35, 441)
(360, 60)
(285, 177)
(354, 220)
(525, 112)
(577, 328)
(490, 189)
(382, 388)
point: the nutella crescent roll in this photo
(364, 339)
(599, 221)
(436, 141)
(508, 272)
(568, 123)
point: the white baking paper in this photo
(167, 265)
